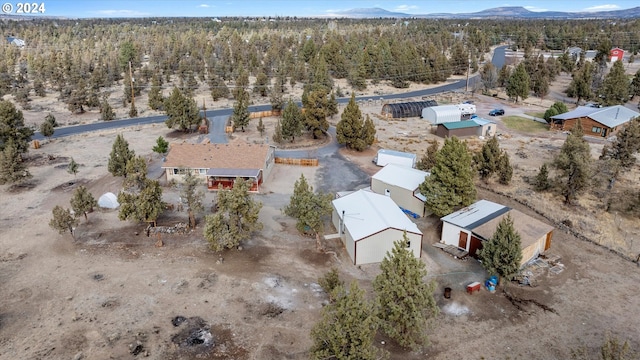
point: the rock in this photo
(78, 356)
(114, 337)
(239, 248)
(179, 287)
(136, 348)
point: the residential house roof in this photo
(216, 156)
(610, 116)
(367, 213)
(482, 121)
(530, 229)
(401, 176)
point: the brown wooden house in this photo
(220, 164)
(602, 122)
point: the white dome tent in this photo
(108, 200)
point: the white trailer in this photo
(442, 114)
(467, 109)
(386, 156)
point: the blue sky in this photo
(302, 8)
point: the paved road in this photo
(218, 117)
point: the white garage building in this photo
(369, 224)
(401, 184)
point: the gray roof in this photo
(610, 116)
(397, 153)
(475, 214)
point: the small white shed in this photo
(369, 224)
(401, 184)
(386, 156)
(442, 114)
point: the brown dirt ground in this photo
(112, 293)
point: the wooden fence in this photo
(302, 162)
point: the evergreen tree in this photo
(12, 128)
(316, 111)
(368, 132)
(275, 97)
(261, 85)
(573, 164)
(347, 328)
(161, 147)
(542, 179)
(580, 85)
(120, 155)
(135, 174)
(261, 128)
(349, 128)
(12, 169)
(292, 121)
(277, 133)
(451, 182)
(504, 75)
(333, 105)
(82, 202)
(330, 282)
(192, 196)
(428, 160)
(47, 129)
(518, 85)
(240, 115)
(404, 300)
(106, 111)
(236, 218)
(145, 206)
(634, 89)
(51, 120)
(182, 112)
(625, 146)
(156, 100)
(219, 89)
(487, 159)
(502, 254)
(307, 207)
(615, 88)
(505, 170)
(63, 221)
(556, 109)
(72, 168)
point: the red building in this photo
(616, 54)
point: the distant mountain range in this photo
(509, 12)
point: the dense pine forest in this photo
(83, 60)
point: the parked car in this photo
(593, 105)
(496, 112)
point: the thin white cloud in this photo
(403, 8)
(605, 7)
(121, 13)
(204, 5)
(535, 8)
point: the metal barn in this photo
(407, 109)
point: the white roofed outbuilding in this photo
(401, 183)
(368, 225)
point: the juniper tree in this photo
(518, 85)
(307, 207)
(404, 300)
(106, 111)
(277, 133)
(120, 155)
(72, 168)
(347, 328)
(616, 85)
(82, 202)
(555, 109)
(625, 146)
(502, 253)
(353, 130)
(192, 196)
(144, 206)
(182, 112)
(47, 129)
(541, 182)
(292, 121)
(161, 147)
(63, 221)
(261, 85)
(451, 182)
(316, 112)
(330, 282)
(12, 167)
(260, 127)
(573, 164)
(486, 160)
(505, 170)
(236, 218)
(51, 119)
(219, 89)
(634, 88)
(240, 115)
(12, 128)
(427, 160)
(156, 100)
(135, 174)
(489, 76)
